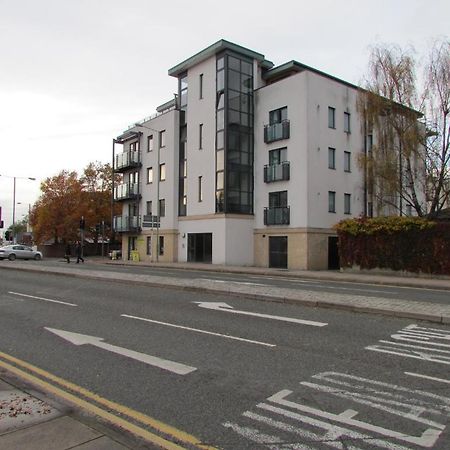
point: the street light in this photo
(14, 201)
(139, 125)
(29, 213)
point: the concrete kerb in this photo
(439, 283)
(347, 303)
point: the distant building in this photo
(251, 164)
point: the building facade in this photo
(250, 164)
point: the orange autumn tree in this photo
(66, 198)
(56, 214)
(96, 208)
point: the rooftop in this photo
(213, 49)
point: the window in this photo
(347, 122)
(278, 199)
(149, 245)
(331, 201)
(149, 208)
(369, 142)
(331, 117)
(347, 203)
(134, 146)
(162, 207)
(278, 115)
(162, 172)
(161, 245)
(347, 161)
(331, 158)
(201, 86)
(200, 136)
(408, 210)
(162, 138)
(150, 143)
(149, 175)
(277, 156)
(200, 189)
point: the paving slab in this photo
(101, 443)
(57, 434)
(21, 410)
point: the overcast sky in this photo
(75, 73)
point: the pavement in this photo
(30, 420)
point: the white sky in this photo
(75, 73)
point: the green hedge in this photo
(399, 243)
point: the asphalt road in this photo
(260, 375)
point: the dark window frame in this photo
(347, 127)
(332, 201)
(162, 207)
(347, 203)
(162, 168)
(150, 143)
(149, 171)
(332, 161)
(347, 161)
(200, 136)
(162, 138)
(332, 117)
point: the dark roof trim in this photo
(166, 106)
(127, 136)
(214, 49)
(294, 66)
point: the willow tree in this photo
(437, 110)
(394, 157)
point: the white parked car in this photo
(20, 252)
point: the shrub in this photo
(399, 243)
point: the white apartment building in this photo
(250, 164)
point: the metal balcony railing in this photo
(276, 172)
(277, 131)
(277, 216)
(124, 224)
(127, 160)
(127, 191)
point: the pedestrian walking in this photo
(79, 252)
(68, 253)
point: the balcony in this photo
(127, 160)
(127, 191)
(276, 172)
(127, 224)
(277, 131)
(279, 215)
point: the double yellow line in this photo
(181, 438)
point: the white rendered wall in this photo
(201, 162)
(290, 92)
(168, 189)
(322, 93)
(232, 239)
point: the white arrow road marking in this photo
(218, 306)
(427, 377)
(82, 339)
(199, 331)
(42, 298)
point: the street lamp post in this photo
(139, 125)
(14, 201)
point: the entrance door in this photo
(200, 247)
(131, 245)
(333, 253)
(278, 252)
